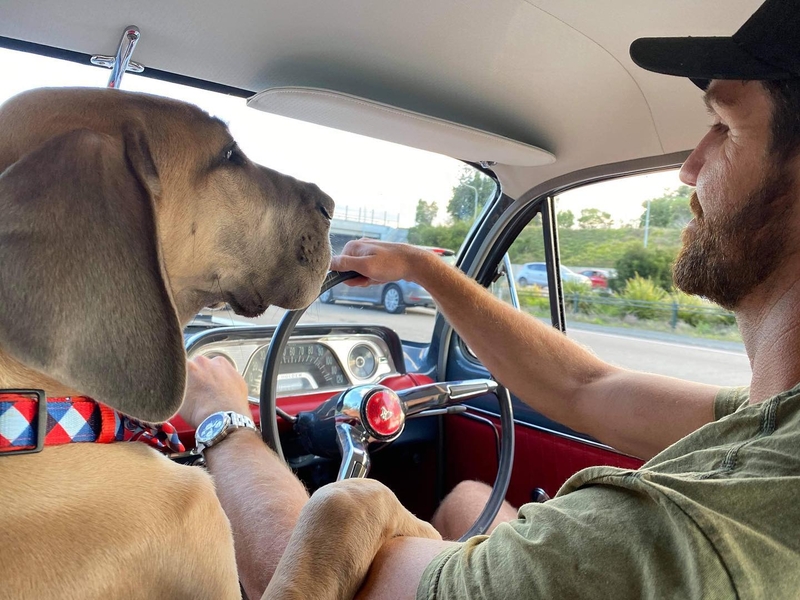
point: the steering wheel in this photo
(374, 413)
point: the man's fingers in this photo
(347, 262)
(359, 264)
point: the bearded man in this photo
(714, 512)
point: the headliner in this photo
(549, 73)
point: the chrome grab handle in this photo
(121, 63)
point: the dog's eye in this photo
(232, 154)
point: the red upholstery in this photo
(541, 459)
(296, 404)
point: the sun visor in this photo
(392, 124)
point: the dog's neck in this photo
(15, 375)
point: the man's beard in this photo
(725, 258)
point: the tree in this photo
(426, 212)
(649, 263)
(594, 218)
(474, 189)
(566, 219)
(443, 236)
(669, 210)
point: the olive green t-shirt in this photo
(715, 515)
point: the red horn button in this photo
(384, 413)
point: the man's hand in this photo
(212, 385)
(380, 262)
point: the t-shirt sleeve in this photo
(597, 542)
(728, 400)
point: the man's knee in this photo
(466, 494)
(460, 508)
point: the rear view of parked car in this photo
(598, 277)
(394, 296)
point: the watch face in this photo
(211, 428)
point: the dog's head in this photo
(121, 215)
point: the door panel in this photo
(541, 459)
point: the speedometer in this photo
(304, 367)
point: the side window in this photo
(617, 242)
(529, 269)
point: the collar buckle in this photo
(41, 422)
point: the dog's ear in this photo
(83, 297)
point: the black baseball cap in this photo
(767, 46)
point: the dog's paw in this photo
(414, 527)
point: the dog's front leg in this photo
(338, 534)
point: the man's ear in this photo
(82, 286)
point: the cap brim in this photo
(701, 59)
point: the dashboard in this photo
(318, 358)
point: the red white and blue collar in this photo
(29, 421)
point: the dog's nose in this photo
(326, 205)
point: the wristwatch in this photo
(217, 426)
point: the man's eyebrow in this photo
(714, 96)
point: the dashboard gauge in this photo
(362, 361)
(305, 367)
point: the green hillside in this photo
(592, 247)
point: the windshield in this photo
(382, 190)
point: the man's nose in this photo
(689, 170)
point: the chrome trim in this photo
(352, 442)
(242, 351)
(458, 409)
(121, 63)
(512, 286)
(441, 395)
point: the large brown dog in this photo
(121, 216)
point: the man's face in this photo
(742, 201)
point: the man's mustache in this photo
(694, 204)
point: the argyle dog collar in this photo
(69, 420)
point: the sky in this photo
(622, 198)
(358, 172)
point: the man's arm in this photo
(637, 413)
(260, 495)
(398, 567)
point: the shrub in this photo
(650, 263)
(578, 296)
(695, 311)
(644, 299)
(533, 300)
